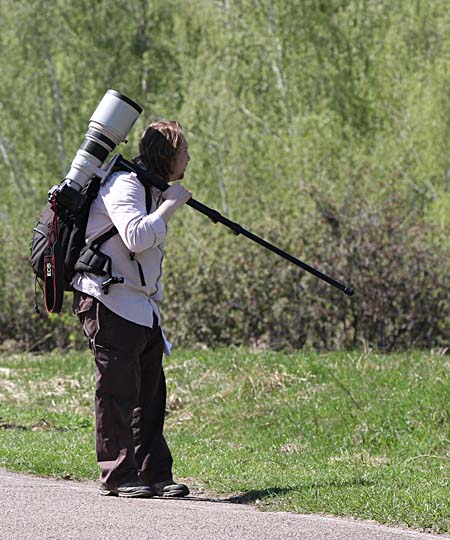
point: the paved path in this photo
(33, 508)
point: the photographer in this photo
(123, 324)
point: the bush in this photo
(243, 294)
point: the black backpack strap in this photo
(93, 261)
(147, 186)
(148, 197)
(97, 242)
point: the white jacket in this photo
(136, 252)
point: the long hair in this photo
(158, 146)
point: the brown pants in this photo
(130, 395)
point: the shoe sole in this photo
(137, 494)
(175, 493)
(144, 494)
(108, 493)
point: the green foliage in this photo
(315, 124)
(242, 294)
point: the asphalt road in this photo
(33, 508)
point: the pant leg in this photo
(152, 452)
(117, 345)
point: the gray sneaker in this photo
(136, 490)
(170, 488)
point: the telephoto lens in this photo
(110, 124)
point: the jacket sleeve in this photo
(124, 198)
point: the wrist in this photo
(167, 209)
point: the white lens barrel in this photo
(110, 124)
(83, 167)
(114, 116)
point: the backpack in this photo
(58, 248)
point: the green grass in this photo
(355, 434)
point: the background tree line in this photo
(321, 125)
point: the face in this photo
(180, 161)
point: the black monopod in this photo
(122, 164)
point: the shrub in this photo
(243, 294)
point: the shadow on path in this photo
(254, 495)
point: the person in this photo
(123, 323)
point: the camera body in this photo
(110, 124)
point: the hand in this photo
(174, 197)
(177, 194)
